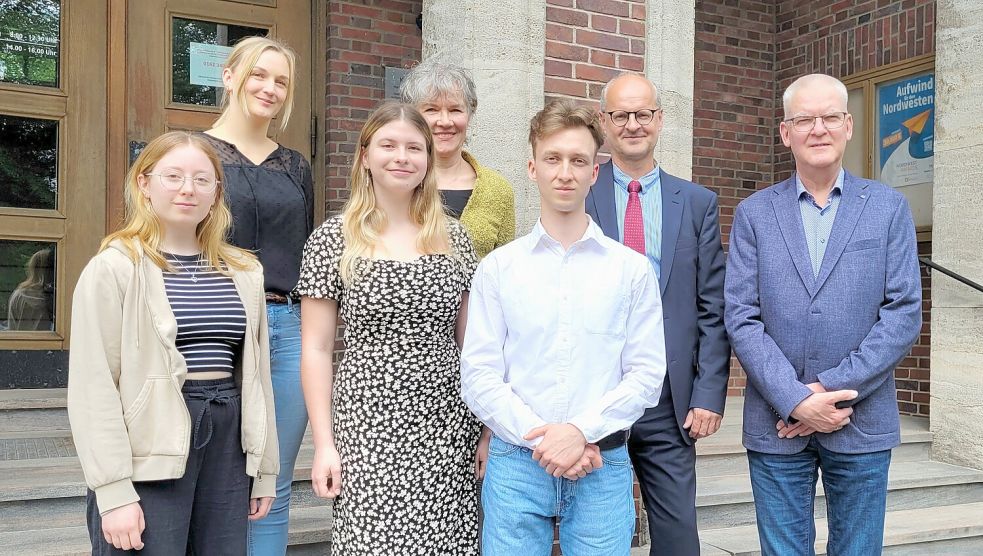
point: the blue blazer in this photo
(847, 328)
(691, 282)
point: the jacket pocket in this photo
(862, 244)
(875, 418)
(153, 419)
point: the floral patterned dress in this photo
(406, 439)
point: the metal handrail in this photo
(928, 262)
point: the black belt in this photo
(613, 440)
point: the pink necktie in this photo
(634, 226)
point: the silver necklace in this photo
(193, 273)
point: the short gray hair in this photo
(431, 79)
(806, 80)
(655, 89)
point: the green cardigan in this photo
(489, 216)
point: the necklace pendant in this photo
(194, 279)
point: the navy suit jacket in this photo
(847, 328)
(691, 281)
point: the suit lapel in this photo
(602, 196)
(672, 216)
(852, 202)
(786, 204)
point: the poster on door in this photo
(906, 130)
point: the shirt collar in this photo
(593, 235)
(837, 186)
(648, 181)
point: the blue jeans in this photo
(784, 488)
(520, 500)
(268, 536)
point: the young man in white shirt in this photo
(564, 350)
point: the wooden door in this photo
(169, 43)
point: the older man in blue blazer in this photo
(674, 223)
(823, 300)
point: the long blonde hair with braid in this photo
(362, 219)
(143, 229)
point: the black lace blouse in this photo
(272, 208)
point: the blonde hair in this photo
(363, 221)
(241, 62)
(143, 229)
(40, 270)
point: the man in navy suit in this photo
(823, 300)
(674, 223)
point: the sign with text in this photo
(906, 130)
(30, 33)
(207, 61)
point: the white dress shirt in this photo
(560, 336)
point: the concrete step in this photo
(726, 500)
(723, 453)
(53, 490)
(310, 533)
(27, 445)
(940, 530)
(33, 410)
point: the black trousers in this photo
(666, 469)
(204, 512)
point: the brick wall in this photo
(912, 375)
(733, 107)
(363, 39)
(590, 41)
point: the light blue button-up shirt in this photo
(817, 221)
(651, 198)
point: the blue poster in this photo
(906, 130)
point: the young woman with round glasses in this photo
(169, 392)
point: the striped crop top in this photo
(211, 320)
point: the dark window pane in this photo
(27, 285)
(199, 49)
(28, 163)
(30, 37)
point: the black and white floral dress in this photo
(406, 439)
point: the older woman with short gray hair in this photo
(480, 197)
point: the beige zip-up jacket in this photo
(128, 416)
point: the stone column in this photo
(669, 49)
(502, 43)
(957, 310)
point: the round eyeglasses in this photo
(173, 181)
(804, 124)
(642, 117)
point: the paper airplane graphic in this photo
(922, 138)
(916, 124)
